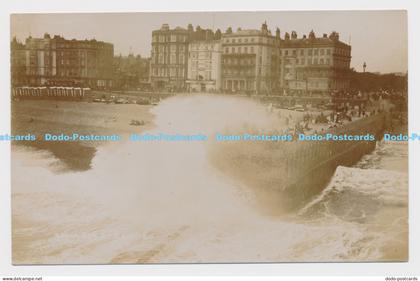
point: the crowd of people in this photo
(345, 108)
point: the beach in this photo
(40, 117)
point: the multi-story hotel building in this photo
(58, 61)
(169, 58)
(315, 65)
(18, 63)
(255, 61)
(250, 61)
(204, 66)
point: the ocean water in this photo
(162, 202)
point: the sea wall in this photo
(310, 165)
(286, 175)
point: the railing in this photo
(49, 92)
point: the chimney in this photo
(190, 28)
(278, 32)
(264, 27)
(312, 35)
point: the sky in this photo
(378, 38)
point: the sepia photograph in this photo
(209, 137)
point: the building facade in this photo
(250, 61)
(57, 61)
(18, 63)
(315, 65)
(131, 72)
(204, 66)
(169, 58)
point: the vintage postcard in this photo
(209, 137)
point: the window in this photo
(226, 50)
(286, 52)
(233, 40)
(328, 51)
(245, 50)
(233, 50)
(294, 52)
(316, 52)
(173, 59)
(252, 49)
(322, 51)
(310, 52)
